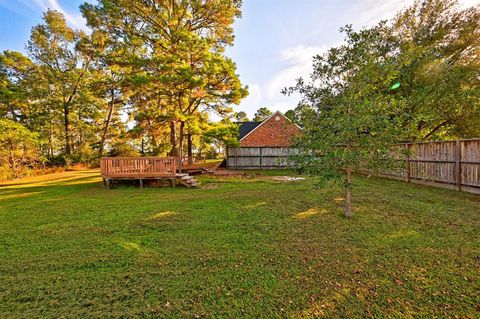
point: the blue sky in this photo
(274, 40)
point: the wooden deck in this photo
(144, 168)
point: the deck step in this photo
(191, 183)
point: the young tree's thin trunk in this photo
(348, 194)
(68, 129)
(107, 123)
(173, 140)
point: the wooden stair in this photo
(187, 180)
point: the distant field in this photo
(242, 247)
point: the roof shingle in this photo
(246, 127)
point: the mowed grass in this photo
(237, 248)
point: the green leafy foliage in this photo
(352, 121)
(148, 76)
(241, 117)
(262, 114)
(415, 78)
(178, 70)
(225, 134)
(436, 51)
(18, 149)
(299, 114)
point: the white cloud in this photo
(470, 3)
(299, 62)
(25, 6)
(74, 19)
(253, 101)
(370, 12)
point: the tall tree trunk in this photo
(189, 148)
(180, 145)
(81, 138)
(11, 159)
(173, 139)
(68, 129)
(50, 144)
(348, 194)
(107, 124)
(12, 111)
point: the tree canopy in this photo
(415, 78)
(262, 114)
(147, 77)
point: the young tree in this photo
(355, 118)
(262, 114)
(416, 79)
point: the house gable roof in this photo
(241, 137)
(245, 128)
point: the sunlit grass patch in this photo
(131, 246)
(162, 215)
(310, 212)
(255, 205)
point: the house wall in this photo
(275, 132)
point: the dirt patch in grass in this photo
(287, 178)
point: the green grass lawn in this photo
(250, 247)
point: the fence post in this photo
(260, 148)
(458, 165)
(228, 157)
(407, 168)
(235, 158)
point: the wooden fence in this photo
(258, 157)
(451, 164)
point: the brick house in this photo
(263, 144)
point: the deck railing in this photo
(138, 166)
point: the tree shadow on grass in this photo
(40, 188)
